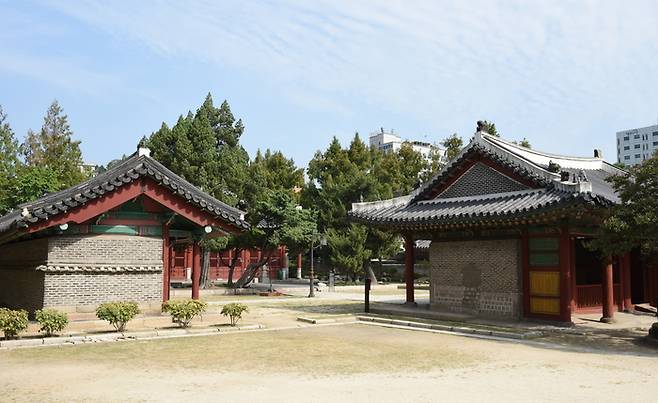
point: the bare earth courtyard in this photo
(333, 362)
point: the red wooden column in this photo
(606, 287)
(566, 290)
(166, 262)
(409, 268)
(196, 270)
(626, 282)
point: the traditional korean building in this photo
(508, 228)
(109, 238)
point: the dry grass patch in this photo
(318, 351)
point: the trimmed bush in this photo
(183, 311)
(117, 313)
(52, 321)
(653, 332)
(234, 311)
(12, 322)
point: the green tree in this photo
(490, 128)
(53, 148)
(525, 143)
(204, 148)
(341, 176)
(453, 146)
(275, 221)
(634, 221)
(348, 250)
(272, 171)
(31, 183)
(9, 162)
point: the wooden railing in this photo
(591, 295)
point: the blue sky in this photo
(565, 75)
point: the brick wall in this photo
(85, 291)
(20, 285)
(476, 277)
(107, 249)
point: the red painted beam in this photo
(92, 208)
(125, 193)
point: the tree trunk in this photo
(231, 266)
(205, 268)
(249, 274)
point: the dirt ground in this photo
(340, 362)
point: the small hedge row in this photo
(117, 313)
(12, 322)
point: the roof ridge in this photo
(490, 196)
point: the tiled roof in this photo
(587, 185)
(471, 209)
(130, 170)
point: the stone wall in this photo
(105, 249)
(476, 277)
(85, 291)
(21, 286)
(78, 287)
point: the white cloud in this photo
(516, 61)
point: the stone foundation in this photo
(476, 277)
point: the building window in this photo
(637, 146)
(625, 138)
(627, 148)
(637, 155)
(627, 157)
(655, 134)
(637, 136)
(655, 143)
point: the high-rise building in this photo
(388, 141)
(637, 145)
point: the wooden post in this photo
(607, 289)
(626, 282)
(566, 290)
(409, 268)
(196, 270)
(367, 296)
(166, 263)
(299, 266)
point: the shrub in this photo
(234, 311)
(117, 313)
(183, 311)
(653, 332)
(51, 321)
(12, 322)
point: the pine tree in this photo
(53, 148)
(9, 162)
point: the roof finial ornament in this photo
(481, 126)
(142, 147)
